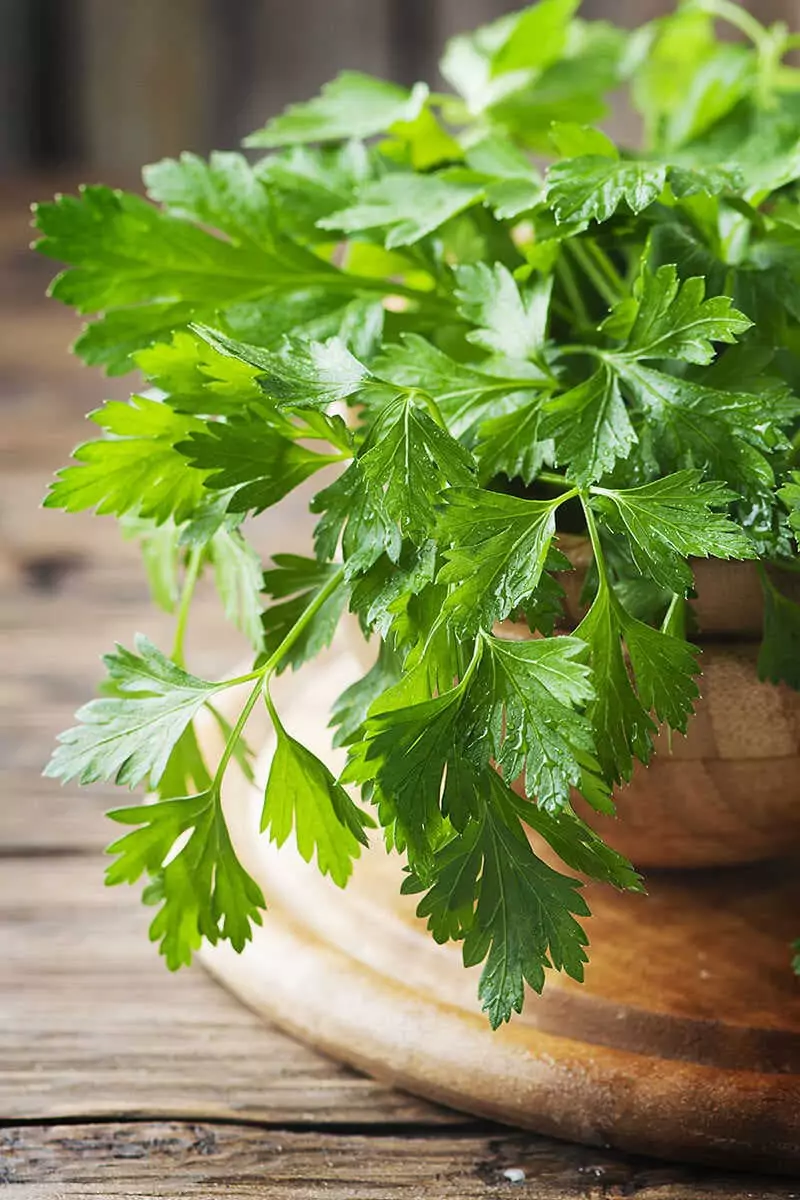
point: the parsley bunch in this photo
(607, 345)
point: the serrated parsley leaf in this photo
(294, 582)
(382, 595)
(463, 392)
(511, 444)
(303, 796)
(353, 105)
(670, 519)
(589, 426)
(592, 187)
(129, 737)
(510, 908)
(357, 516)
(510, 322)
(407, 206)
(224, 193)
(202, 890)
(577, 844)
(405, 751)
(674, 320)
(689, 425)
(664, 667)
(136, 469)
(197, 378)
(408, 460)
(151, 273)
(538, 690)
(623, 727)
(253, 456)
(300, 373)
(498, 547)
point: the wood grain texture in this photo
(196, 1160)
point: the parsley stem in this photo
(566, 277)
(305, 618)
(189, 583)
(262, 673)
(236, 733)
(583, 258)
(604, 263)
(736, 16)
(594, 538)
(557, 480)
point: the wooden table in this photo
(116, 1078)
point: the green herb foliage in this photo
(608, 347)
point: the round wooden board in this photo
(684, 1042)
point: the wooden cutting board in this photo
(684, 1041)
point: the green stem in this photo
(594, 538)
(615, 280)
(235, 734)
(262, 674)
(557, 480)
(736, 16)
(569, 283)
(189, 583)
(582, 257)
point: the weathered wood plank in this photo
(182, 1160)
(93, 1025)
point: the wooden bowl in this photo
(729, 600)
(728, 792)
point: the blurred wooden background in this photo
(115, 83)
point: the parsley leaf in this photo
(253, 456)
(407, 206)
(303, 796)
(197, 378)
(538, 690)
(129, 737)
(511, 909)
(689, 425)
(623, 727)
(498, 546)
(670, 519)
(353, 105)
(356, 515)
(294, 582)
(589, 426)
(674, 320)
(463, 392)
(300, 373)
(203, 890)
(510, 322)
(137, 469)
(592, 187)
(407, 460)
